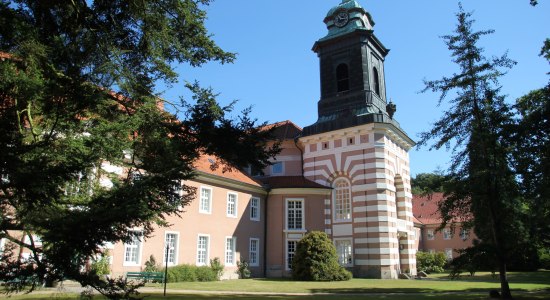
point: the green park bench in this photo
(146, 276)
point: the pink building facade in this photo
(432, 239)
(347, 175)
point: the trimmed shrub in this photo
(187, 273)
(430, 262)
(315, 259)
(205, 273)
(182, 273)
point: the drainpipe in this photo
(265, 232)
(301, 153)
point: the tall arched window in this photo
(376, 81)
(342, 78)
(342, 199)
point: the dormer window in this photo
(342, 78)
(376, 81)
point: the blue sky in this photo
(277, 73)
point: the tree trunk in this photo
(504, 287)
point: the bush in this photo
(544, 258)
(315, 259)
(182, 273)
(188, 273)
(217, 267)
(205, 273)
(102, 265)
(430, 262)
(242, 269)
(151, 265)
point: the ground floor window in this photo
(449, 253)
(171, 248)
(343, 248)
(202, 250)
(253, 252)
(132, 250)
(290, 250)
(230, 245)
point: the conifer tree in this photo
(77, 101)
(482, 190)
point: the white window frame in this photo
(35, 238)
(230, 252)
(175, 249)
(449, 253)
(302, 227)
(275, 171)
(341, 259)
(288, 254)
(254, 254)
(206, 250)
(138, 239)
(464, 234)
(232, 214)
(343, 213)
(255, 207)
(447, 235)
(201, 199)
(430, 235)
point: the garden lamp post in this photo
(168, 248)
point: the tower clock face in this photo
(341, 19)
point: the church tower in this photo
(357, 148)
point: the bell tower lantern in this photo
(351, 58)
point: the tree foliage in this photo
(77, 92)
(531, 153)
(482, 183)
(425, 184)
(315, 259)
(430, 262)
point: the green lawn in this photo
(436, 283)
(524, 286)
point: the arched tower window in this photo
(342, 199)
(342, 78)
(376, 80)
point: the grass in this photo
(482, 282)
(535, 285)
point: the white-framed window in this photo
(171, 240)
(255, 209)
(203, 244)
(342, 200)
(277, 168)
(430, 235)
(464, 234)
(295, 214)
(344, 251)
(232, 205)
(35, 239)
(254, 252)
(447, 234)
(205, 204)
(230, 246)
(132, 250)
(290, 250)
(449, 253)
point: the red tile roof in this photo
(425, 208)
(205, 162)
(284, 130)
